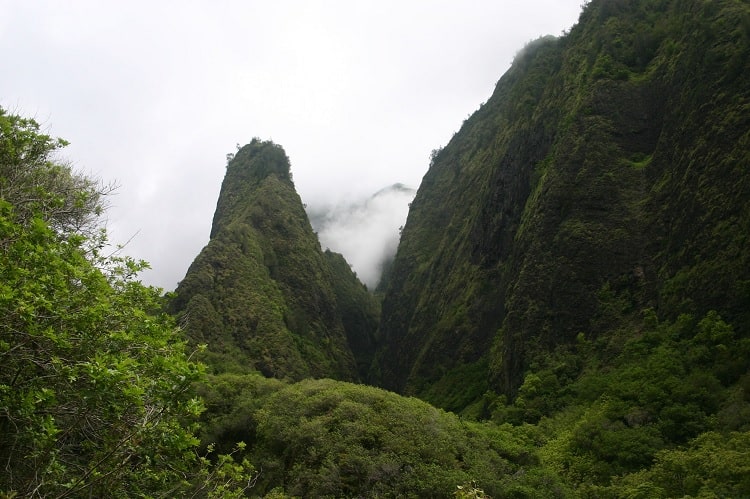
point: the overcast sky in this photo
(154, 94)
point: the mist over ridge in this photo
(365, 229)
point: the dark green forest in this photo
(567, 314)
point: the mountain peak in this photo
(258, 159)
(395, 188)
(262, 294)
(253, 165)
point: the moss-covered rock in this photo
(262, 294)
(609, 166)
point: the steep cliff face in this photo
(262, 294)
(607, 174)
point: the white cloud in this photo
(154, 94)
(366, 231)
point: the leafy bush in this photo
(324, 438)
(95, 385)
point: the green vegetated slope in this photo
(359, 311)
(665, 413)
(325, 438)
(261, 294)
(607, 175)
(573, 279)
(573, 273)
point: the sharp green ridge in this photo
(609, 165)
(261, 294)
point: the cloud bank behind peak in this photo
(365, 230)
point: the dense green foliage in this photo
(661, 413)
(643, 401)
(95, 385)
(37, 184)
(573, 280)
(262, 294)
(607, 174)
(324, 438)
